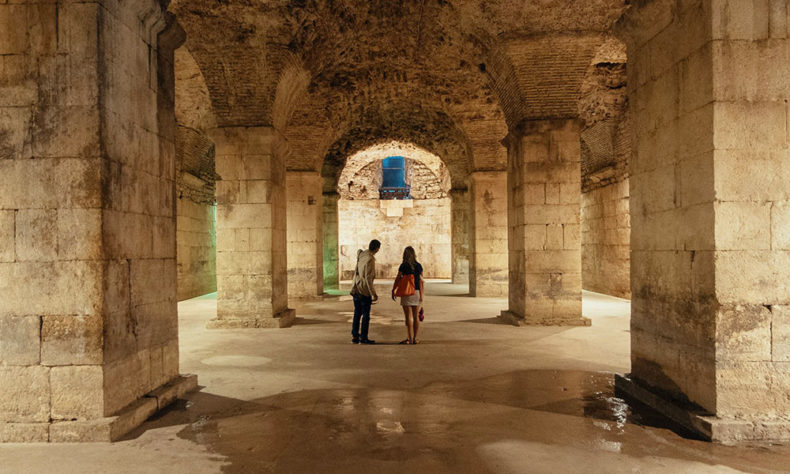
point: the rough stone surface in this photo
(422, 223)
(197, 248)
(706, 274)
(305, 234)
(544, 235)
(488, 275)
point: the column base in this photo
(708, 427)
(514, 319)
(283, 319)
(105, 429)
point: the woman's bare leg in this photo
(416, 318)
(408, 323)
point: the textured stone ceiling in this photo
(339, 76)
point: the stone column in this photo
(330, 241)
(252, 286)
(710, 214)
(461, 226)
(88, 321)
(544, 196)
(305, 234)
(488, 272)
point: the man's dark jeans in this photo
(361, 310)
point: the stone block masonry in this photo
(329, 229)
(709, 189)
(197, 248)
(488, 274)
(252, 288)
(606, 233)
(87, 217)
(305, 234)
(544, 237)
(422, 223)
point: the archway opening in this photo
(397, 193)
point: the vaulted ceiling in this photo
(336, 77)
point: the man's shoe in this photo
(355, 341)
(367, 341)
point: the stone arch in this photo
(364, 158)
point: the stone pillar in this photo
(461, 226)
(710, 214)
(330, 241)
(305, 234)
(544, 243)
(88, 320)
(252, 286)
(488, 272)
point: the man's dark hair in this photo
(374, 245)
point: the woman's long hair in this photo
(410, 256)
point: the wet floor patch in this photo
(491, 424)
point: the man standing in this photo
(363, 291)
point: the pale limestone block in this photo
(79, 234)
(736, 128)
(252, 216)
(164, 237)
(572, 236)
(744, 388)
(752, 175)
(743, 333)
(257, 191)
(780, 333)
(552, 193)
(20, 340)
(71, 340)
(552, 214)
(553, 261)
(77, 392)
(570, 193)
(36, 235)
(780, 226)
(7, 235)
(125, 380)
(696, 79)
(25, 394)
(752, 276)
(554, 237)
(260, 167)
(739, 20)
(77, 181)
(228, 166)
(778, 19)
(24, 432)
(743, 226)
(170, 359)
(14, 125)
(695, 184)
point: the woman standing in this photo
(411, 304)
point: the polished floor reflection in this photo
(475, 396)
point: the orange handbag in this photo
(405, 286)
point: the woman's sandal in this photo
(415, 341)
(405, 341)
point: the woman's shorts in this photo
(413, 300)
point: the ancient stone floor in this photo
(475, 396)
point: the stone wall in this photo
(709, 209)
(606, 247)
(461, 234)
(88, 321)
(305, 234)
(329, 229)
(424, 224)
(197, 248)
(488, 274)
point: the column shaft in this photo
(252, 289)
(305, 234)
(544, 194)
(488, 273)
